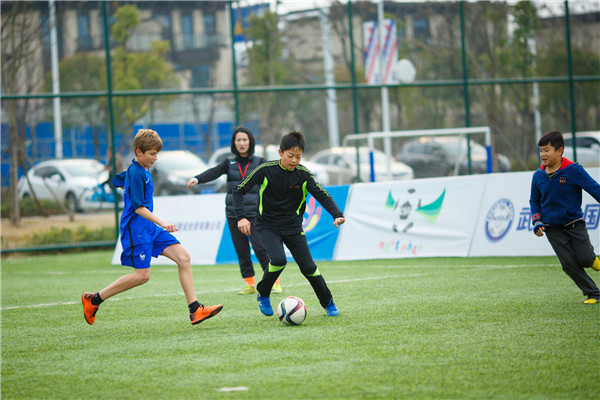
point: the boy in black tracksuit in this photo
(284, 185)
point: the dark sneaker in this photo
(264, 303)
(89, 310)
(331, 309)
(204, 313)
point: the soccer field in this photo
(448, 328)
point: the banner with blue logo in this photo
(317, 224)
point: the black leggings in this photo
(298, 246)
(242, 248)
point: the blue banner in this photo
(317, 224)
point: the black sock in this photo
(96, 300)
(194, 306)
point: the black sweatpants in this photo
(575, 252)
(242, 248)
(297, 244)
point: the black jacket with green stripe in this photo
(282, 195)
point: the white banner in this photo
(480, 215)
(200, 220)
(419, 218)
(504, 223)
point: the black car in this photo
(172, 171)
(443, 156)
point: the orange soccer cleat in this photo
(203, 313)
(89, 310)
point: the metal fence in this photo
(518, 68)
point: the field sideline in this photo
(447, 328)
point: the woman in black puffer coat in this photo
(237, 167)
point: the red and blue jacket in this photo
(555, 199)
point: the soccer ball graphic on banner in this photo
(291, 311)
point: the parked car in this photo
(269, 153)
(172, 171)
(78, 182)
(447, 155)
(340, 164)
(588, 148)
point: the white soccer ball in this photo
(291, 311)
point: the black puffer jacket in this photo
(236, 168)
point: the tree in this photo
(21, 45)
(136, 71)
(555, 100)
(83, 72)
(268, 65)
(130, 71)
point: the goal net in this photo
(429, 152)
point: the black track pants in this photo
(575, 252)
(242, 248)
(298, 246)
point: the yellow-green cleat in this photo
(596, 265)
(248, 289)
(276, 288)
(591, 300)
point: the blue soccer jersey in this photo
(139, 187)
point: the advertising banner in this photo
(480, 215)
(417, 218)
(504, 222)
(200, 220)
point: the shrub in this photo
(28, 208)
(79, 235)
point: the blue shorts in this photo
(139, 255)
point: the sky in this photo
(553, 7)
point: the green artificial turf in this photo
(447, 328)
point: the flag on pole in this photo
(371, 52)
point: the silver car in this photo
(268, 153)
(78, 182)
(588, 148)
(340, 164)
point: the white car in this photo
(588, 148)
(269, 153)
(340, 163)
(76, 182)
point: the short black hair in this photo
(554, 138)
(291, 140)
(250, 137)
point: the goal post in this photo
(370, 138)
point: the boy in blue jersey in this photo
(284, 185)
(555, 202)
(144, 235)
